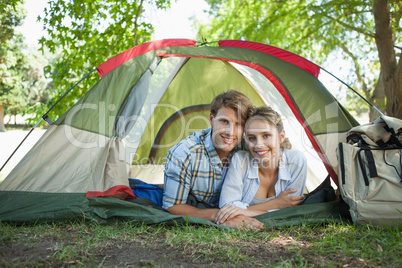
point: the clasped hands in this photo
(230, 212)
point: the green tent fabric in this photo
(147, 99)
(23, 208)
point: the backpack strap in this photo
(371, 163)
(381, 143)
(393, 139)
(362, 167)
(341, 162)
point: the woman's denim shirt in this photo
(241, 181)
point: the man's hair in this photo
(234, 99)
(269, 115)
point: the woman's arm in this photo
(231, 211)
(231, 199)
(232, 187)
(296, 169)
(281, 201)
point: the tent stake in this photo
(45, 117)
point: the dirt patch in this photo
(47, 251)
(70, 248)
(139, 254)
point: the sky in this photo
(173, 23)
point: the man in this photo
(195, 167)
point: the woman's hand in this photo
(284, 200)
(228, 212)
(244, 223)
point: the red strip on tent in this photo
(115, 190)
(127, 55)
(276, 52)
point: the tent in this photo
(147, 99)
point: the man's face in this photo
(227, 130)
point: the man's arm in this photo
(187, 210)
(178, 182)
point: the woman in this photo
(268, 177)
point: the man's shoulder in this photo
(198, 139)
(191, 144)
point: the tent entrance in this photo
(177, 105)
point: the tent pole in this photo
(204, 42)
(369, 103)
(45, 117)
(68, 91)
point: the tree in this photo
(37, 88)
(366, 33)
(87, 33)
(11, 57)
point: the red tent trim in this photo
(127, 55)
(276, 52)
(115, 190)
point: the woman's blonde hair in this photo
(269, 115)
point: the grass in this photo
(136, 245)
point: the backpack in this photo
(370, 172)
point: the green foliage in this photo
(87, 33)
(12, 59)
(24, 88)
(309, 28)
(11, 88)
(314, 29)
(12, 14)
(37, 87)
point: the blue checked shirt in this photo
(193, 166)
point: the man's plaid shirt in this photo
(193, 166)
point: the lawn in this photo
(126, 244)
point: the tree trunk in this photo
(378, 99)
(398, 97)
(2, 126)
(390, 72)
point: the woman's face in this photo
(264, 141)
